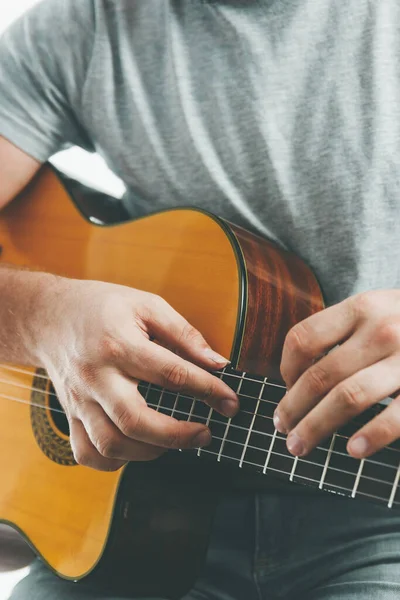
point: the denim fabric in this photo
(279, 545)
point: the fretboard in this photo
(250, 440)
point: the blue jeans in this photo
(279, 545)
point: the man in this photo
(280, 116)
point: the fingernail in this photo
(277, 423)
(202, 439)
(229, 407)
(215, 357)
(295, 444)
(359, 447)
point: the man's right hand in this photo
(97, 340)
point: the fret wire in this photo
(249, 378)
(229, 420)
(252, 423)
(296, 460)
(147, 392)
(270, 450)
(328, 457)
(357, 481)
(160, 399)
(394, 488)
(175, 405)
(210, 412)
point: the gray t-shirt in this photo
(281, 115)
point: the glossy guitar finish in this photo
(239, 290)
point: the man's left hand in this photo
(336, 364)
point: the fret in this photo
(378, 474)
(229, 421)
(310, 466)
(296, 460)
(252, 423)
(160, 400)
(394, 488)
(223, 440)
(273, 392)
(210, 412)
(270, 451)
(328, 457)
(175, 405)
(280, 458)
(191, 409)
(357, 481)
(167, 402)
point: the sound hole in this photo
(59, 418)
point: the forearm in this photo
(22, 298)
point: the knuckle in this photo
(127, 420)
(154, 302)
(189, 334)
(208, 392)
(108, 446)
(352, 396)
(298, 339)
(175, 376)
(364, 305)
(386, 431)
(388, 334)
(112, 349)
(318, 379)
(83, 457)
(86, 372)
(173, 439)
(75, 398)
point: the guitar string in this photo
(315, 481)
(148, 385)
(308, 461)
(275, 453)
(157, 407)
(233, 425)
(12, 398)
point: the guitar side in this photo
(239, 290)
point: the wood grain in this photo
(281, 291)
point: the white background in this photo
(74, 161)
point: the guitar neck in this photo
(250, 440)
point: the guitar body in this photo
(137, 525)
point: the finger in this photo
(321, 377)
(85, 453)
(171, 329)
(129, 412)
(162, 367)
(378, 433)
(313, 337)
(110, 442)
(348, 399)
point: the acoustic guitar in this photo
(144, 529)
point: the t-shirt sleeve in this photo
(44, 58)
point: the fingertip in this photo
(358, 447)
(216, 358)
(202, 439)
